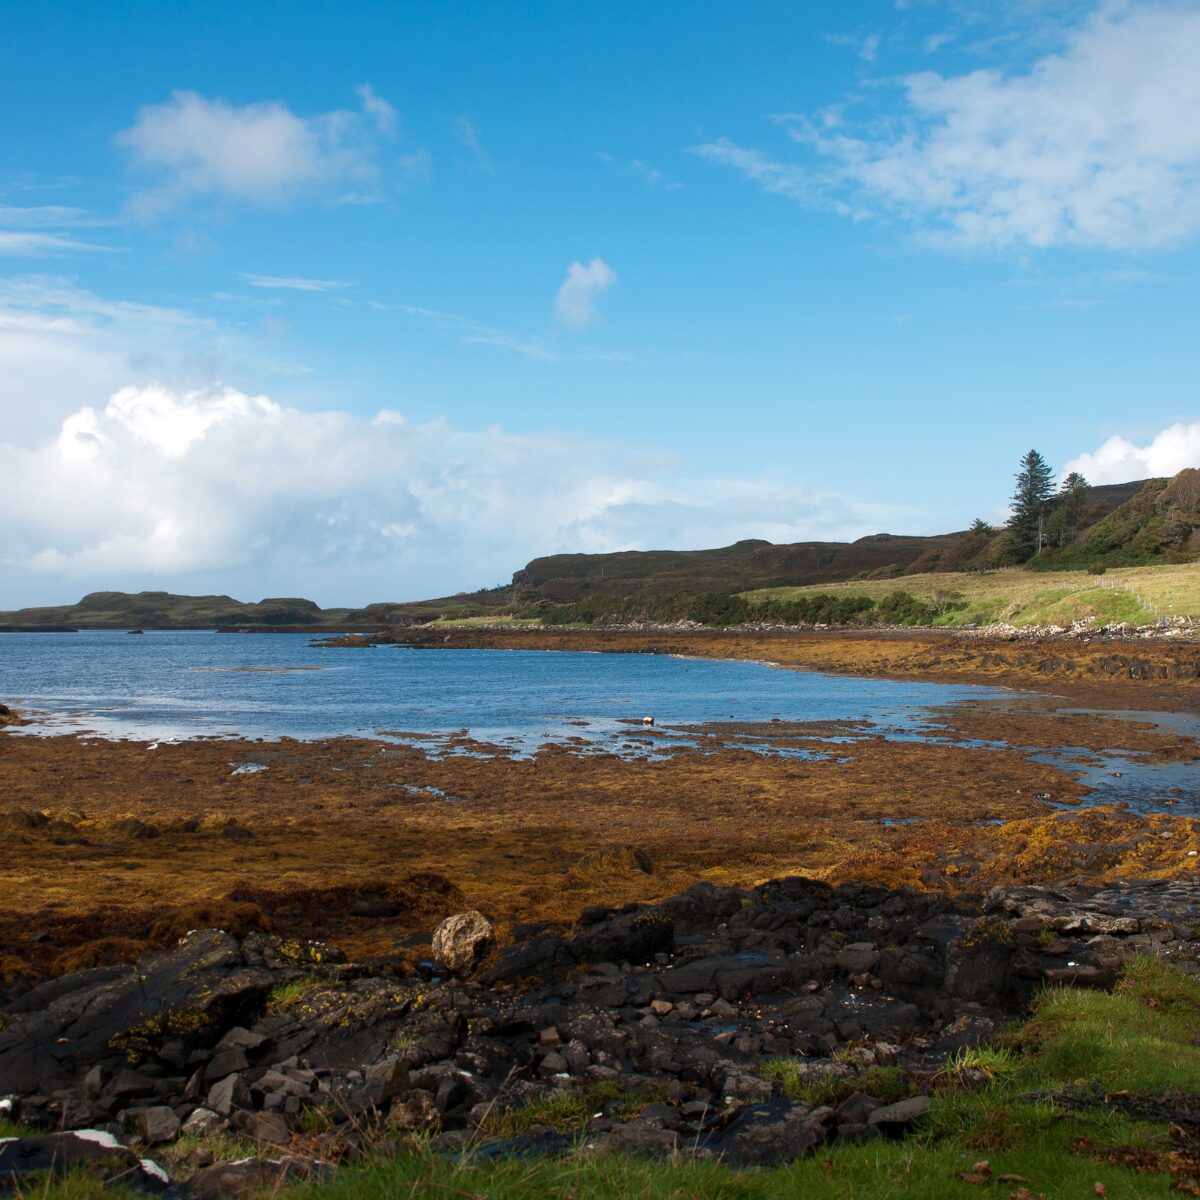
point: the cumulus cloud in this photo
(176, 484)
(261, 154)
(581, 290)
(59, 342)
(1119, 460)
(1091, 146)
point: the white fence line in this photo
(1120, 585)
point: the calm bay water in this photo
(166, 685)
(185, 684)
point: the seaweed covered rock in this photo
(125, 1011)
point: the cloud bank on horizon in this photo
(171, 484)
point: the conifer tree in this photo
(1071, 493)
(1035, 487)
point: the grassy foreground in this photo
(1093, 1096)
(1136, 595)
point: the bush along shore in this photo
(847, 1041)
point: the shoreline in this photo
(1105, 673)
(661, 930)
(118, 847)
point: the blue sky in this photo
(379, 302)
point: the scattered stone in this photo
(227, 1095)
(267, 1129)
(201, 1122)
(157, 1125)
(251, 1177)
(900, 1118)
(462, 941)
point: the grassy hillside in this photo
(1137, 595)
(563, 578)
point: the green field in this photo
(1136, 595)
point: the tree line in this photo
(1043, 516)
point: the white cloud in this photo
(175, 485)
(471, 332)
(25, 232)
(417, 166)
(377, 108)
(48, 216)
(30, 243)
(295, 283)
(1119, 460)
(1094, 145)
(785, 179)
(257, 153)
(581, 290)
(466, 132)
(651, 176)
(59, 342)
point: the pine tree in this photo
(1071, 493)
(1035, 487)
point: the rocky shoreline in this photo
(750, 1025)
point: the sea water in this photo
(167, 685)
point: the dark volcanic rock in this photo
(682, 1002)
(775, 1131)
(23, 1160)
(71, 1023)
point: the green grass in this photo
(77, 1186)
(886, 1084)
(989, 1062)
(1139, 1040)
(571, 1111)
(1135, 595)
(285, 996)
(510, 622)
